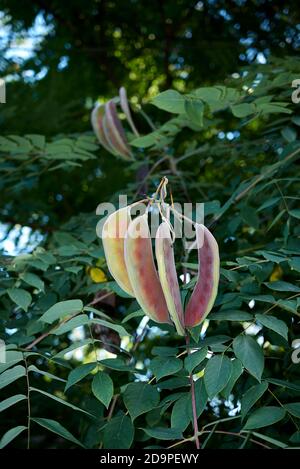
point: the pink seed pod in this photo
(206, 288)
(97, 118)
(113, 235)
(167, 274)
(126, 109)
(114, 131)
(142, 272)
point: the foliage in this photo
(83, 368)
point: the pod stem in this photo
(193, 396)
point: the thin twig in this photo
(28, 402)
(151, 170)
(46, 334)
(259, 178)
(221, 432)
(94, 346)
(194, 407)
(112, 407)
(203, 149)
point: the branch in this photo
(221, 432)
(194, 406)
(237, 196)
(46, 334)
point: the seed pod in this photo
(114, 131)
(126, 109)
(97, 117)
(168, 276)
(142, 272)
(206, 288)
(113, 234)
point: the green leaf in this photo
(135, 314)
(237, 370)
(77, 321)
(230, 275)
(250, 353)
(264, 417)
(214, 340)
(74, 269)
(194, 359)
(11, 401)
(169, 400)
(295, 438)
(180, 418)
(37, 140)
(195, 332)
(274, 324)
(294, 263)
(114, 286)
(12, 357)
(194, 111)
(270, 256)
(174, 383)
(284, 384)
(115, 327)
(116, 364)
(270, 108)
(269, 203)
(140, 398)
(289, 134)
(288, 305)
(201, 398)
(79, 373)
(45, 373)
(295, 213)
(164, 366)
(103, 387)
(282, 286)
(74, 346)
(217, 374)
(61, 309)
(228, 315)
(118, 433)
(243, 110)
(57, 428)
(21, 297)
(274, 442)
(147, 140)
(9, 376)
(11, 435)
(251, 397)
(90, 309)
(58, 399)
(170, 101)
(293, 408)
(212, 95)
(67, 251)
(164, 351)
(33, 280)
(276, 219)
(162, 433)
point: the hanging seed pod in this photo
(113, 235)
(114, 131)
(126, 109)
(206, 288)
(168, 276)
(97, 118)
(142, 272)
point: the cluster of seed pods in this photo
(108, 127)
(128, 251)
